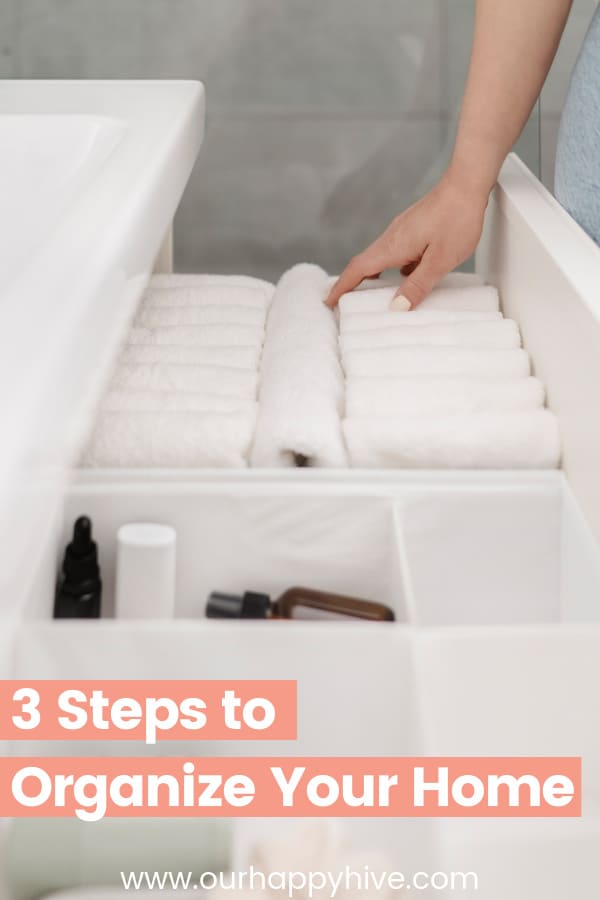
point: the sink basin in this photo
(45, 160)
(91, 174)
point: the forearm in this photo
(514, 45)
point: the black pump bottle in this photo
(79, 588)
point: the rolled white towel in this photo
(437, 361)
(510, 440)
(501, 335)
(367, 300)
(169, 401)
(199, 335)
(369, 321)
(453, 280)
(195, 281)
(171, 440)
(153, 316)
(302, 385)
(241, 383)
(476, 298)
(440, 395)
(210, 295)
(183, 355)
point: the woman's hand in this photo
(513, 48)
(425, 242)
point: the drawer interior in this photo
(495, 549)
(484, 574)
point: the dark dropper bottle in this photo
(79, 588)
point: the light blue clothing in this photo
(577, 180)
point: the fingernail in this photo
(400, 304)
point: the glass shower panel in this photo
(326, 119)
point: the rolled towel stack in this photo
(185, 389)
(444, 386)
(501, 440)
(496, 335)
(427, 360)
(302, 384)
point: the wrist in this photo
(472, 181)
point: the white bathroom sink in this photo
(91, 174)
(45, 161)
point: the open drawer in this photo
(494, 580)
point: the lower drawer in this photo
(494, 580)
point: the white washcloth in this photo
(453, 280)
(478, 298)
(519, 440)
(171, 440)
(170, 401)
(367, 300)
(241, 383)
(183, 355)
(153, 316)
(436, 361)
(199, 335)
(196, 281)
(302, 385)
(369, 321)
(502, 335)
(320, 846)
(440, 395)
(475, 299)
(190, 298)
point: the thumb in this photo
(418, 285)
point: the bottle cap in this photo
(81, 556)
(251, 605)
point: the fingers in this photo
(419, 283)
(409, 268)
(350, 278)
(369, 264)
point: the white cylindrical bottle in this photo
(145, 582)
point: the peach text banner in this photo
(148, 710)
(291, 787)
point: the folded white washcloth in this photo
(418, 318)
(475, 298)
(199, 335)
(368, 300)
(201, 281)
(184, 355)
(171, 440)
(501, 335)
(436, 361)
(510, 440)
(302, 384)
(209, 295)
(440, 395)
(453, 280)
(125, 400)
(241, 383)
(153, 316)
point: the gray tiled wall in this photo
(326, 117)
